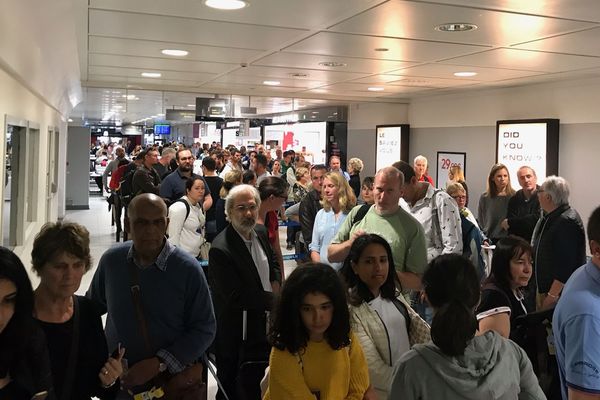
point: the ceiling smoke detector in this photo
(456, 27)
(332, 64)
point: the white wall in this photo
(362, 119)
(467, 122)
(78, 169)
(18, 102)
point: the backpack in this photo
(187, 207)
(127, 181)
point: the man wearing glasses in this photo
(244, 276)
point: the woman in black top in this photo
(502, 299)
(79, 358)
(24, 365)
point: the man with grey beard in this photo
(244, 276)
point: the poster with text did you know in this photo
(528, 143)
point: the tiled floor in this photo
(102, 236)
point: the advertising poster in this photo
(389, 144)
(522, 144)
(445, 160)
(308, 138)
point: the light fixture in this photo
(151, 74)
(226, 4)
(465, 74)
(315, 112)
(456, 27)
(271, 83)
(332, 64)
(175, 53)
(70, 120)
(375, 89)
(382, 49)
(299, 75)
(191, 105)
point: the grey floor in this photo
(102, 236)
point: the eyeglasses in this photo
(243, 208)
(459, 197)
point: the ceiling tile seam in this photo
(150, 69)
(344, 19)
(486, 67)
(164, 58)
(198, 19)
(567, 33)
(133, 77)
(509, 11)
(174, 42)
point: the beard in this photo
(244, 225)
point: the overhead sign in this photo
(532, 143)
(391, 145)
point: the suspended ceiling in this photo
(517, 42)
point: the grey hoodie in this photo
(492, 368)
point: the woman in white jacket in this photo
(186, 219)
(385, 324)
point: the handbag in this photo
(185, 385)
(204, 249)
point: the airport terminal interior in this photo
(467, 83)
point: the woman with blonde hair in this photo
(337, 199)
(457, 175)
(493, 204)
(231, 179)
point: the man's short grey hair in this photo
(420, 157)
(391, 172)
(558, 189)
(529, 168)
(167, 151)
(235, 192)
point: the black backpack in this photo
(126, 189)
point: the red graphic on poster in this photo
(288, 140)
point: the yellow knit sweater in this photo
(335, 374)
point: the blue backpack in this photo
(472, 240)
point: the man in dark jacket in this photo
(558, 241)
(244, 277)
(145, 178)
(524, 207)
(311, 204)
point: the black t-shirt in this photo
(494, 298)
(214, 184)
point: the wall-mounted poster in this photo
(391, 145)
(445, 160)
(533, 143)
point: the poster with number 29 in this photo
(445, 160)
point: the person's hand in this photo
(486, 242)
(549, 302)
(370, 394)
(504, 224)
(112, 369)
(140, 373)
(358, 233)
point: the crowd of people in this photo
(392, 296)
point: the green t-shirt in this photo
(402, 231)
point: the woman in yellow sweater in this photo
(315, 354)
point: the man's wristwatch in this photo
(162, 367)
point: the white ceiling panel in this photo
(584, 10)
(257, 80)
(136, 73)
(447, 71)
(187, 30)
(143, 63)
(339, 44)
(363, 88)
(583, 43)
(231, 88)
(311, 61)
(414, 81)
(527, 60)
(146, 48)
(305, 14)
(97, 77)
(411, 20)
(275, 72)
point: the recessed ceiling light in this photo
(465, 74)
(191, 105)
(271, 83)
(151, 74)
(382, 49)
(315, 112)
(332, 64)
(375, 89)
(175, 53)
(299, 75)
(226, 4)
(70, 120)
(456, 27)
